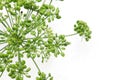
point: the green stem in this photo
(18, 22)
(50, 2)
(36, 64)
(3, 48)
(16, 16)
(19, 60)
(10, 19)
(44, 1)
(2, 41)
(1, 74)
(34, 24)
(71, 35)
(3, 24)
(5, 21)
(1, 32)
(29, 12)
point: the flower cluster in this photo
(82, 29)
(18, 23)
(18, 70)
(43, 76)
(26, 33)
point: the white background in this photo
(98, 59)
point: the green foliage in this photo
(26, 17)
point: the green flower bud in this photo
(62, 54)
(33, 16)
(42, 11)
(1, 7)
(33, 56)
(58, 16)
(17, 8)
(28, 76)
(51, 78)
(49, 75)
(1, 68)
(23, 67)
(38, 55)
(10, 74)
(9, 61)
(37, 78)
(38, 0)
(39, 73)
(57, 11)
(49, 20)
(23, 62)
(28, 69)
(19, 78)
(28, 55)
(33, 33)
(43, 75)
(11, 56)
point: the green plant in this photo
(22, 18)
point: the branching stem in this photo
(35, 64)
(71, 35)
(19, 60)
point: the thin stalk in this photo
(11, 20)
(36, 64)
(1, 31)
(2, 41)
(17, 18)
(71, 35)
(9, 17)
(29, 12)
(2, 35)
(44, 1)
(35, 27)
(19, 60)
(50, 2)
(18, 22)
(3, 47)
(15, 15)
(3, 24)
